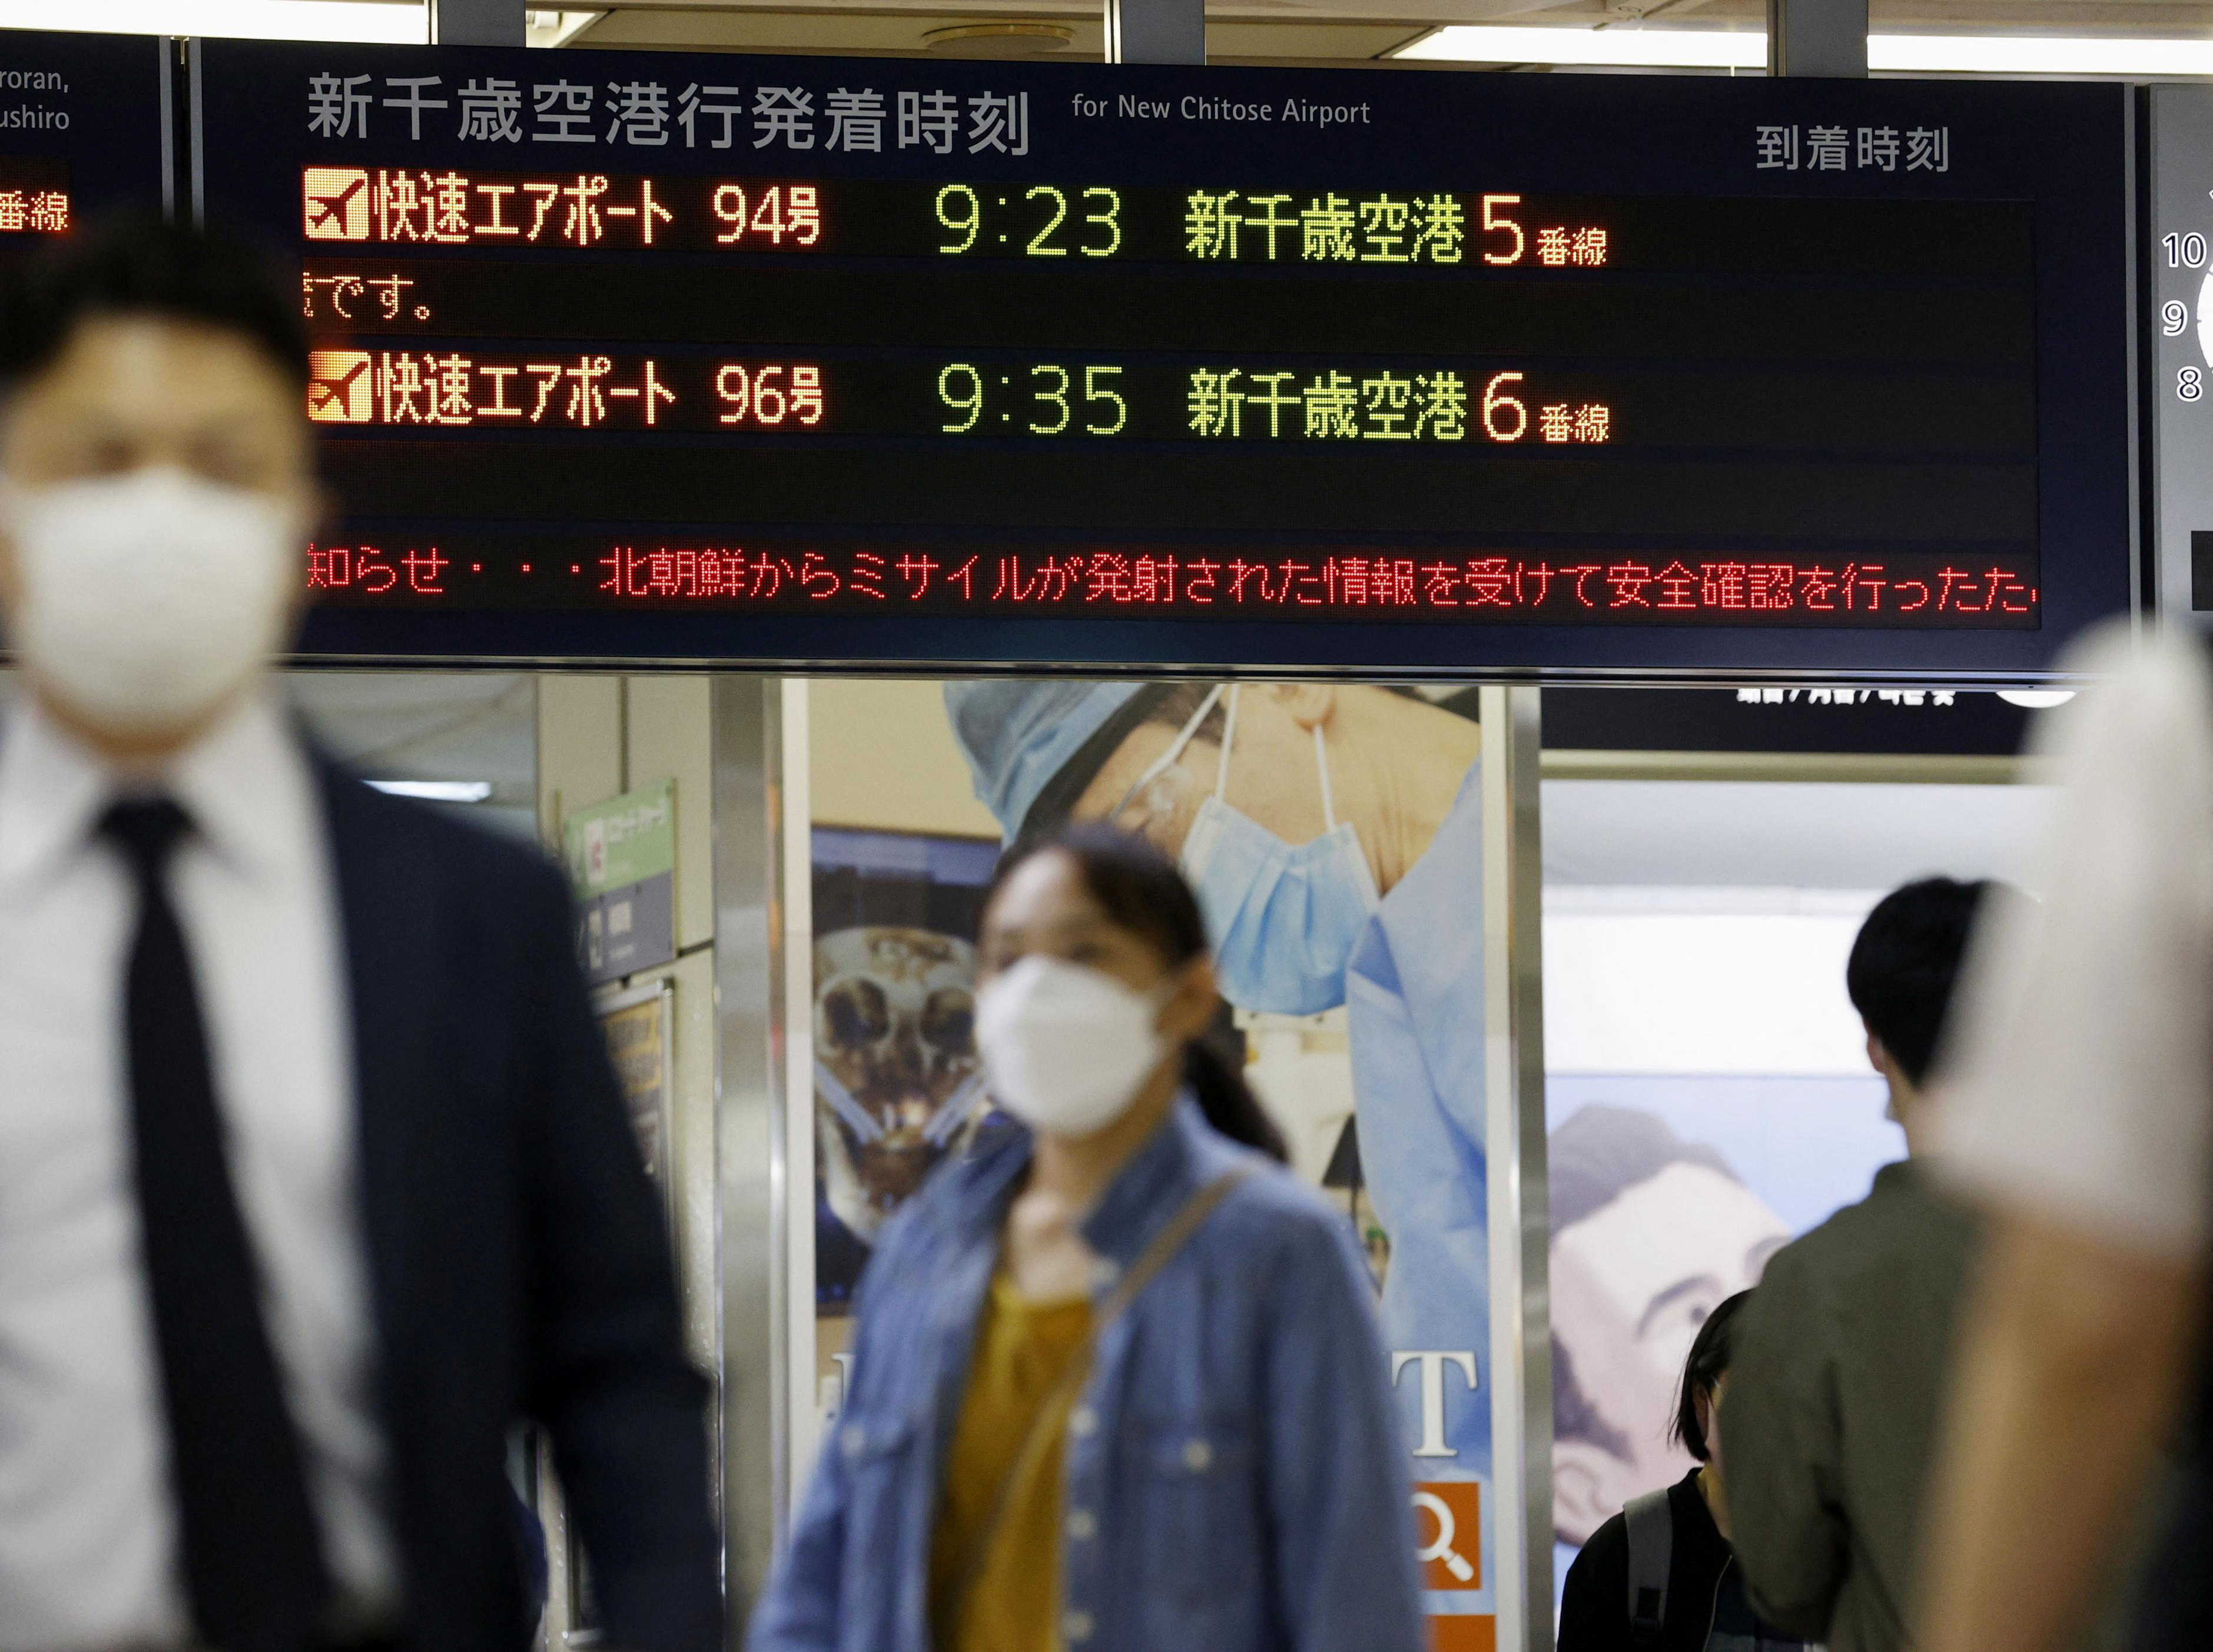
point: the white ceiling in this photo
(434, 725)
(1316, 30)
(1698, 838)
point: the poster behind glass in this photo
(1668, 1194)
(1333, 834)
(897, 1084)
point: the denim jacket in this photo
(1235, 1477)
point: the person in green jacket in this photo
(1842, 1354)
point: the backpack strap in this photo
(1651, 1524)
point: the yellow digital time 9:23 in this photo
(1040, 221)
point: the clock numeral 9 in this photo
(2175, 317)
(958, 210)
(951, 380)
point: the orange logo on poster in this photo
(337, 204)
(339, 385)
(1470, 1633)
(1448, 1527)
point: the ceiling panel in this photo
(1328, 30)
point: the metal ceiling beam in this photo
(1817, 37)
(1155, 31)
(477, 22)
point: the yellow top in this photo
(1023, 1349)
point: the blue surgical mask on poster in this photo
(1285, 917)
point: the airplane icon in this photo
(337, 204)
(338, 386)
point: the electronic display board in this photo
(86, 129)
(815, 360)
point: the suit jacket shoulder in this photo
(477, 868)
(518, 1261)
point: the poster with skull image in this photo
(897, 1083)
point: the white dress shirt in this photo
(87, 1531)
(2085, 1066)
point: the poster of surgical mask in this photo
(1334, 835)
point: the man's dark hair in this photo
(1906, 961)
(1702, 1374)
(142, 266)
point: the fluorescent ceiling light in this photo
(438, 791)
(1652, 48)
(2036, 699)
(550, 28)
(1712, 48)
(401, 22)
(2027, 54)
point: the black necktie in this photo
(252, 1560)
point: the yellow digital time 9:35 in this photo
(1040, 399)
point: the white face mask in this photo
(1067, 1048)
(148, 599)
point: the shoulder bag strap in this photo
(1044, 1428)
(1651, 1524)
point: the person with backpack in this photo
(1660, 1574)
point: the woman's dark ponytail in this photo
(1143, 893)
(1227, 1100)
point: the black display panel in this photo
(821, 360)
(85, 132)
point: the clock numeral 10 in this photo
(2184, 251)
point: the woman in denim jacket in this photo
(1117, 1384)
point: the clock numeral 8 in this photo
(2190, 384)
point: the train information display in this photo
(812, 359)
(85, 130)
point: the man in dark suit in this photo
(314, 1180)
